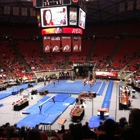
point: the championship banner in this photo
(79, 43)
(55, 43)
(75, 44)
(46, 43)
(66, 43)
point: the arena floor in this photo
(8, 115)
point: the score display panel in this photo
(62, 16)
(54, 16)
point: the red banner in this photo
(55, 43)
(79, 43)
(66, 43)
(106, 74)
(46, 43)
(75, 44)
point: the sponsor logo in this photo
(47, 48)
(73, 21)
(75, 48)
(56, 48)
(76, 31)
(66, 48)
(46, 37)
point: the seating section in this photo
(103, 37)
(102, 50)
(55, 61)
(125, 53)
(10, 59)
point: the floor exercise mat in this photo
(73, 87)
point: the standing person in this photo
(44, 81)
(91, 83)
(54, 82)
(85, 81)
(132, 130)
(58, 80)
(49, 80)
(47, 16)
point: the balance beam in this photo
(40, 106)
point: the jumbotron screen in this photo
(73, 16)
(82, 18)
(54, 16)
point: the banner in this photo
(15, 11)
(75, 44)
(7, 10)
(62, 30)
(106, 74)
(46, 43)
(66, 43)
(55, 43)
(24, 11)
(79, 43)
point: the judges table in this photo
(78, 115)
(20, 105)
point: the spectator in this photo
(62, 129)
(34, 134)
(132, 130)
(109, 128)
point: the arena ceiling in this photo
(98, 12)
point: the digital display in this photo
(52, 2)
(62, 30)
(55, 16)
(73, 16)
(82, 18)
(106, 74)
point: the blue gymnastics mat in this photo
(5, 94)
(50, 119)
(50, 112)
(74, 87)
(31, 120)
(70, 100)
(94, 121)
(56, 108)
(35, 108)
(60, 97)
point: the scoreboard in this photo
(62, 23)
(63, 13)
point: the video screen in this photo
(55, 16)
(82, 18)
(73, 16)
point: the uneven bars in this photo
(40, 106)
